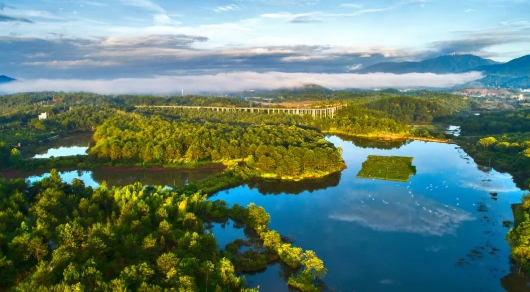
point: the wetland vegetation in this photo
(388, 168)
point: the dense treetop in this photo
(56, 236)
(282, 150)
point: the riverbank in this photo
(236, 175)
(389, 137)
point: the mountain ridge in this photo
(6, 79)
(439, 65)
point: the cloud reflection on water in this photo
(398, 211)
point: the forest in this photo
(501, 140)
(274, 151)
(56, 236)
(518, 236)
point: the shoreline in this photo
(391, 137)
(16, 173)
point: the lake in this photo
(93, 178)
(73, 145)
(63, 151)
(439, 231)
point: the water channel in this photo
(440, 231)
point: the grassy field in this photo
(394, 168)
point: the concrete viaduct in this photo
(314, 112)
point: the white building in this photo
(43, 116)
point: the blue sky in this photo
(94, 39)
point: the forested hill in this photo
(273, 151)
(410, 110)
(515, 73)
(5, 79)
(516, 67)
(439, 65)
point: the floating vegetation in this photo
(396, 168)
(507, 223)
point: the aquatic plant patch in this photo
(396, 168)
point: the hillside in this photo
(515, 73)
(439, 65)
(516, 67)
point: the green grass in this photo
(396, 168)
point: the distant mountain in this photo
(516, 67)
(5, 79)
(439, 65)
(515, 73)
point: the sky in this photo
(131, 41)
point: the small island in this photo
(396, 168)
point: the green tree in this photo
(15, 158)
(486, 142)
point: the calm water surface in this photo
(76, 144)
(94, 178)
(63, 151)
(441, 231)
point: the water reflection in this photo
(171, 178)
(94, 178)
(453, 130)
(63, 152)
(399, 211)
(376, 235)
(225, 231)
(375, 143)
(268, 187)
(76, 144)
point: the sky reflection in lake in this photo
(397, 210)
(63, 151)
(440, 231)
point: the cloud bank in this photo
(238, 81)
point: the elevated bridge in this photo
(314, 112)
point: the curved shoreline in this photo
(388, 137)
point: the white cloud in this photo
(306, 58)
(226, 8)
(354, 67)
(351, 5)
(238, 81)
(469, 10)
(145, 4)
(93, 3)
(72, 64)
(319, 15)
(284, 2)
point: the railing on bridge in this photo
(314, 112)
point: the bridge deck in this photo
(315, 112)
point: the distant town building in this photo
(43, 116)
(482, 92)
